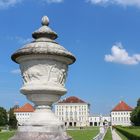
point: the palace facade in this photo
(23, 113)
(73, 111)
(76, 113)
(120, 114)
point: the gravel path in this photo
(115, 136)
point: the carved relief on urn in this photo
(43, 73)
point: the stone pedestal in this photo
(44, 65)
(43, 125)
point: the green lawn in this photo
(84, 134)
(6, 135)
(108, 135)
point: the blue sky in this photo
(104, 35)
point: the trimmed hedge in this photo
(128, 134)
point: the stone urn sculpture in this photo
(44, 65)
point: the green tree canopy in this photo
(135, 115)
(12, 119)
(138, 102)
(3, 117)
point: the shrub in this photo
(127, 133)
(135, 115)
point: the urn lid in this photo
(44, 44)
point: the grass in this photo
(108, 135)
(84, 134)
(6, 135)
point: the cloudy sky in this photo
(104, 35)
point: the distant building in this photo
(73, 111)
(120, 115)
(76, 112)
(96, 119)
(106, 119)
(23, 113)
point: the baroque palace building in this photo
(24, 113)
(76, 112)
(120, 114)
(73, 111)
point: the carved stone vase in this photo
(44, 65)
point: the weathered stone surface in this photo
(44, 44)
(40, 136)
(44, 65)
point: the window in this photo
(113, 119)
(119, 119)
(124, 119)
(66, 113)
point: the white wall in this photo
(95, 120)
(22, 117)
(73, 112)
(121, 118)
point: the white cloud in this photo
(22, 40)
(118, 2)
(8, 3)
(53, 1)
(4, 4)
(120, 55)
(18, 39)
(16, 71)
(98, 1)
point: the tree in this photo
(12, 119)
(138, 102)
(3, 117)
(135, 115)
